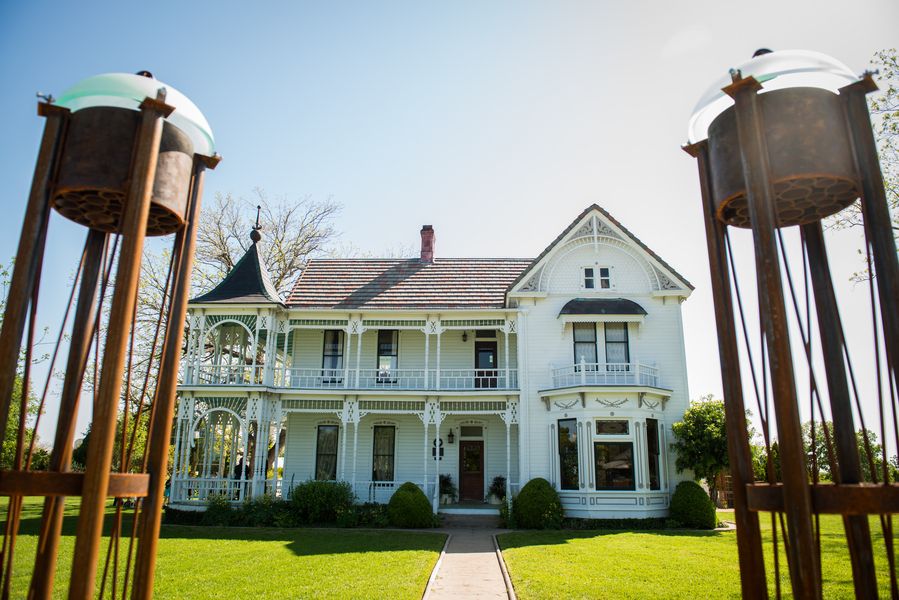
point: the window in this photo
(382, 453)
(610, 427)
(614, 465)
(332, 355)
(605, 278)
(388, 350)
(585, 343)
(617, 353)
(485, 334)
(652, 449)
(568, 455)
(326, 453)
(589, 278)
(471, 431)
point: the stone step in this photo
(471, 521)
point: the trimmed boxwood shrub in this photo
(537, 506)
(410, 508)
(173, 516)
(218, 512)
(409, 487)
(692, 507)
(320, 502)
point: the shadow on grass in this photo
(302, 541)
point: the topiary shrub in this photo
(218, 512)
(410, 508)
(537, 506)
(692, 507)
(320, 502)
(408, 487)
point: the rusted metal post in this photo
(30, 252)
(749, 540)
(99, 459)
(83, 329)
(161, 425)
(878, 224)
(802, 552)
(858, 533)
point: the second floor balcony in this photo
(355, 379)
(606, 374)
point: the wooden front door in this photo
(471, 470)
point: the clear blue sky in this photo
(495, 121)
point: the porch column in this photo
(424, 420)
(344, 420)
(508, 372)
(437, 370)
(346, 362)
(508, 463)
(201, 343)
(277, 423)
(355, 448)
(359, 355)
(438, 418)
(427, 356)
(176, 457)
(287, 361)
(245, 425)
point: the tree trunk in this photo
(270, 461)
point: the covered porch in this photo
(373, 443)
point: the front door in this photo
(485, 364)
(471, 470)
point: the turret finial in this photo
(254, 234)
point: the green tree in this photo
(884, 108)
(701, 441)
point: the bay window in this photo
(569, 473)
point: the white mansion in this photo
(569, 367)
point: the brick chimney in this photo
(427, 244)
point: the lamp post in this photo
(123, 155)
(785, 140)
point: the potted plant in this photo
(497, 492)
(447, 489)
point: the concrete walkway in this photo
(470, 567)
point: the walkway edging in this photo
(510, 590)
(436, 568)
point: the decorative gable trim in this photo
(595, 225)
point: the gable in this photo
(596, 239)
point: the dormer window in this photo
(597, 278)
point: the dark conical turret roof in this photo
(247, 283)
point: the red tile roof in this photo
(406, 283)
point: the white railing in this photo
(381, 491)
(606, 374)
(199, 489)
(319, 379)
(229, 374)
(477, 379)
(403, 379)
(362, 379)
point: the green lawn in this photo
(662, 564)
(205, 562)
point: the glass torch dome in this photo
(126, 90)
(775, 71)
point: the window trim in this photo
(657, 453)
(392, 454)
(575, 342)
(575, 451)
(618, 440)
(608, 278)
(626, 342)
(336, 454)
(591, 278)
(341, 337)
(387, 377)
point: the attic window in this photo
(604, 277)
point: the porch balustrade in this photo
(606, 374)
(229, 375)
(361, 379)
